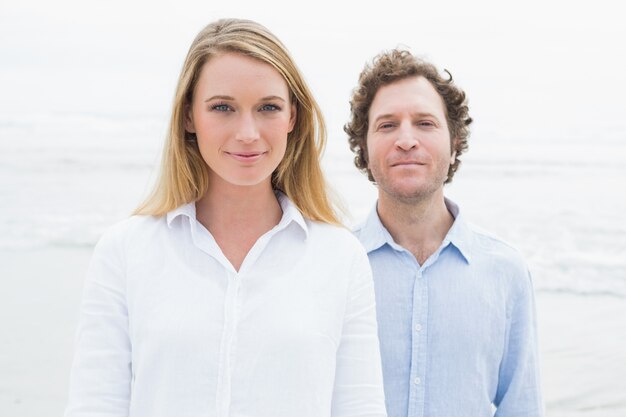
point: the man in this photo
(455, 305)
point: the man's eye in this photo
(386, 126)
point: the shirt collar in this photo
(290, 213)
(186, 210)
(460, 234)
(373, 233)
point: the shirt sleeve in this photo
(358, 388)
(519, 392)
(100, 379)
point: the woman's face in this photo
(241, 114)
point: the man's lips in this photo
(406, 163)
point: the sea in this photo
(65, 177)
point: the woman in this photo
(232, 291)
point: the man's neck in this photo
(418, 226)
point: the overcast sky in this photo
(531, 68)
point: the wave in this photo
(582, 293)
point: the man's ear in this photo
(189, 126)
(453, 154)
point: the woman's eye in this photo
(221, 107)
(426, 123)
(269, 107)
(386, 126)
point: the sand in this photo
(582, 339)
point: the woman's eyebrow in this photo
(220, 97)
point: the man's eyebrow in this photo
(425, 114)
(414, 114)
(383, 116)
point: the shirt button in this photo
(417, 381)
(418, 327)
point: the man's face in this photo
(408, 141)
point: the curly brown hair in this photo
(395, 65)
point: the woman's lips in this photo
(246, 156)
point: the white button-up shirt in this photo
(169, 328)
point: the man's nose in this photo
(407, 137)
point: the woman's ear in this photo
(189, 126)
(292, 119)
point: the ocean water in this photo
(64, 178)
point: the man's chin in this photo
(409, 194)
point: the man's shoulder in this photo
(371, 234)
(357, 230)
(497, 252)
(487, 240)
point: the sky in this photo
(531, 69)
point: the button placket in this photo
(419, 346)
(228, 344)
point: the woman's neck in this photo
(237, 216)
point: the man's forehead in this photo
(413, 95)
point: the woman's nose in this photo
(247, 129)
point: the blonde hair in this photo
(184, 173)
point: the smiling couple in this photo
(235, 291)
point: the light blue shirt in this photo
(458, 333)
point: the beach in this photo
(38, 316)
(559, 205)
(87, 89)
(582, 344)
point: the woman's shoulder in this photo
(335, 237)
(337, 251)
(133, 229)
